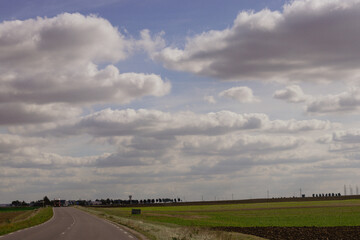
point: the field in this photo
(259, 219)
(13, 219)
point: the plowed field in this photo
(298, 233)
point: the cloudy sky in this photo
(191, 99)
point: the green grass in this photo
(319, 213)
(38, 216)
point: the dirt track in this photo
(298, 233)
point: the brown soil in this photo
(298, 233)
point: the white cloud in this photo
(57, 61)
(307, 41)
(165, 125)
(349, 136)
(240, 94)
(292, 93)
(348, 101)
(301, 125)
(209, 99)
(162, 124)
(150, 44)
(238, 144)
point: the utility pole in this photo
(300, 193)
(267, 194)
(357, 190)
(344, 190)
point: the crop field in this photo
(13, 219)
(323, 215)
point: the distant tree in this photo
(179, 200)
(16, 203)
(46, 201)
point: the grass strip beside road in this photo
(160, 231)
(37, 217)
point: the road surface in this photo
(71, 223)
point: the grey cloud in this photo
(344, 102)
(20, 113)
(308, 41)
(119, 160)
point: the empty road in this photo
(71, 223)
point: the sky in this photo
(191, 99)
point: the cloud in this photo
(293, 94)
(344, 102)
(209, 99)
(49, 61)
(145, 122)
(240, 94)
(9, 143)
(150, 44)
(293, 125)
(345, 143)
(349, 136)
(310, 40)
(347, 101)
(236, 144)
(22, 113)
(165, 125)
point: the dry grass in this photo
(12, 217)
(23, 219)
(173, 232)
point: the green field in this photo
(196, 221)
(13, 219)
(319, 213)
(15, 209)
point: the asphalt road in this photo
(71, 223)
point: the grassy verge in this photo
(28, 219)
(156, 231)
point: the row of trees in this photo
(143, 201)
(39, 203)
(47, 202)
